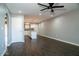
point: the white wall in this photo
(17, 28)
(64, 27)
(2, 29)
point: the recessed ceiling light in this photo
(20, 11)
(40, 14)
(51, 15)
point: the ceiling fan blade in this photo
(42, 5)
(59, 9)
(43, 9)
(57, 6)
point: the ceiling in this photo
(31, 11)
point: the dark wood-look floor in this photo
(42, 47)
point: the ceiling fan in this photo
(51, 6)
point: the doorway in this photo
(6, 30)
(30, 30)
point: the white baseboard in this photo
(60, 40)
(17, 41)
(5, 49)
(9, 44)
(13, 42)
(4, 52)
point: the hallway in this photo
(42, 47)
(34, 31)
